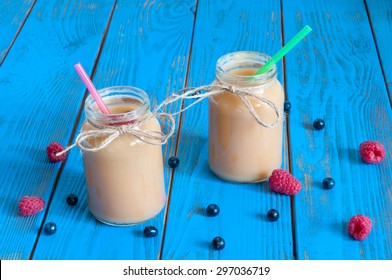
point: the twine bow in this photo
(110, 133)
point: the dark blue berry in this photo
(72, 199)
(50, 228)
(212, 210)
(174, 162)
(218, 243)
(273, 215)
(150, 231)
(319, 124)
(328, 183)
(287, 106)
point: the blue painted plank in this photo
(147, 46)
(40, 98)
(380, 12)
(223, 27)
(12, 16)
(335, 75)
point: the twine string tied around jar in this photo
(196, 95)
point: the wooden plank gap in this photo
(165, 217)
(17, 32)
(378, 52)
(73, 132)
(292, 204)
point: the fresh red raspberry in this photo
(53, 149)
(281, 181)
(359, 227)
(30, 205)
(372, 151)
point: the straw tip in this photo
(306, 30)
(77, 65)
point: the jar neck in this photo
(126, 104)
(237, 68)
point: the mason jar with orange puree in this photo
(240, 148)
(125, 181)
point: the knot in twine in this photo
(110, 133)
(198, 94)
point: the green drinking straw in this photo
(283, 51)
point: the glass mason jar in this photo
(241, 149)
(125, 181)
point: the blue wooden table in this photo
(341, 72)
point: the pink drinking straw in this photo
(91, 88)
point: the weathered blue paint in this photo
(335, 73)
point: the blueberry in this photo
(72, 200)
(319, 124)
(328, 183)
(174, 162)
(287, 106)
(212, 210)
(50, 228)
(150, 231)
(272, 215)
(218, 243)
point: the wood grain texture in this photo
(12, 16)
(41, 96)
(147, 46)
(380, 12)
(335, 74)
(223, 27)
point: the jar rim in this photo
(117, 95)
(244, 59)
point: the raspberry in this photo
(372, 151)
(359, 227)
(281, 181)
(53, 149)
(30, 205)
